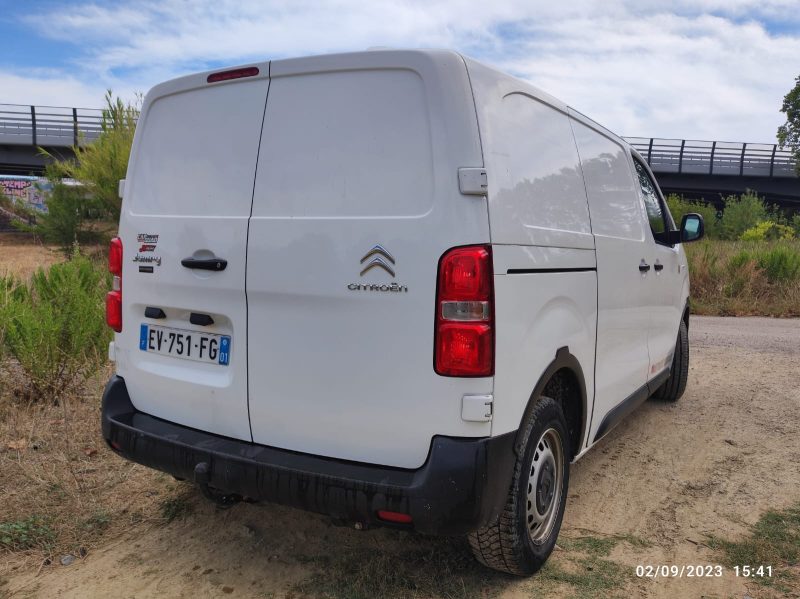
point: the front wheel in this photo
(523, 536)
(675, 385)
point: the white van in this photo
(396, 287)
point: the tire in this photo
(508, 544)
(675, 385)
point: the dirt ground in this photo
(653, 492)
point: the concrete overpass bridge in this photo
(694, 169)
(25, 129)
(711, 170)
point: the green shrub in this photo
(55, 327)
(742, 213)
(767, 231)
(71, 218)
(678, 207)
(738, 260)
(780, 263)
(795, 224)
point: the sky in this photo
(684, 69)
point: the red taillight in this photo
(114, 297)
(115, 257)
(466, 274)
(114, 310)
(464, 337)
(396, 517)
(232, 74)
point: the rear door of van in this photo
(356, 199)
(183, 346)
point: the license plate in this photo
(189, 345)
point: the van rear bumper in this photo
(461, 487)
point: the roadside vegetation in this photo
(83, 206)
(774, 543)
(749, 263)
(61, 489)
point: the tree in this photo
(72, 217)
(100, 165)
(789, 134)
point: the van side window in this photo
(611, 188)
(655, 212)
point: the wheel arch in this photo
(563, 378)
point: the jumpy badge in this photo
(145, 256)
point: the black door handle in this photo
(209, 264)
(658, 267)
(644, 266)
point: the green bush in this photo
(795, 224)
(678, 207)
(780, 263)
(55, 327)
(767, 231)
(70, 219)
(742, 213)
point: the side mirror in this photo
(692, 227)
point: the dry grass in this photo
(57, 477)
(728, 278)
(55, 467)
(21, 255)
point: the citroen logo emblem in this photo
(380, 259)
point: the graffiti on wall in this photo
(30, 191)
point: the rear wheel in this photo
(675, 385)
(523, 536)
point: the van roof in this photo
(418, 59)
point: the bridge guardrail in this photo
(48, 125)
(56, 126)
(715, 157)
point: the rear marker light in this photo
(395, 517)
(114, 297)
(464, 335)
(115, 257)
(114, 310)
(232, 74)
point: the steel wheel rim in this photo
(545, 480)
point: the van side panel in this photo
(536, 313)
(543, 248)
(358, 151)
(618, 223)
(536, 192)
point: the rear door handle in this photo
(658, 267)
(644, 266)
(206, 264)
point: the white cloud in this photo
(695, 68)
(50, 90)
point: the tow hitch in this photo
(223, 500)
